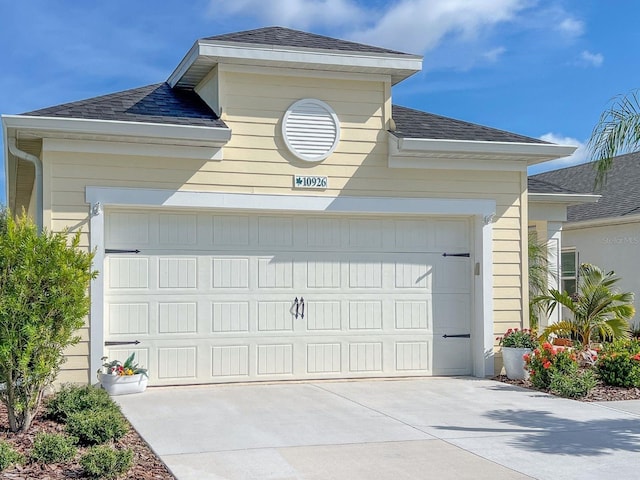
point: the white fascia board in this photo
(353, 61)
(184, 65)
(215, 136)
(567, 199)
(535, 152)
(116, 196)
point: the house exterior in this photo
(267, 213)
(606, 234)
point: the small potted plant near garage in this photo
(119, 378)
(515, 344)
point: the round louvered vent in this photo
(311, 129)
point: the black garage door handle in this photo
(462, 335)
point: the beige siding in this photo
(256, 161)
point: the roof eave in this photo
(567, 199)
(189, 72)
(154, 132)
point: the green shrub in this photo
(8, 456)
(576, 385)
(53, 448)
(546, 361)
(105, 462)
(619, 363)
(93, 427)
(73, 398)
(44, 278)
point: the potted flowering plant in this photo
(119, 378)
(515, 344)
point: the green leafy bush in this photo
(105, 462)
(573, 385)
(516, 338)
(548, 360)
(44, 279)
(53, 448)
(8, 456)
(74, 398)
(93, 427)
(619, 363)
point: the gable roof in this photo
(412, 123)
(620, 195)
(287, 37)
(158, 103)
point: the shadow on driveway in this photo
(550, 434)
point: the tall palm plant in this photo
(596, 308)
(539, 271)
(617, 132)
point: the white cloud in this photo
(591, 59)
(494, 54)
(581, 155)
(295, 13)
(420, 25)
(571, 26)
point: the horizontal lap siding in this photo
(256, 161)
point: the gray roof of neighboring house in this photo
(535, 185)
(620, 195)
(287, 37)
(157, 103)
(412, 123)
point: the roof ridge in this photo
(298, 38)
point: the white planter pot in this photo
(123, 385)
(514, 363)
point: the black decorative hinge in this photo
(462, 335)
(456, 255)
(110, 344)
(115, 250)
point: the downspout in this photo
(37, 163)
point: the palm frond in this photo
(617, 131)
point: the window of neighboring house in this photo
(569, 273)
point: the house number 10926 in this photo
(305, 181)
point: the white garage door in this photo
(226, 298)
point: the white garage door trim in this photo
(481, 209)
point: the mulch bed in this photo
(146, 465)
(600, 393)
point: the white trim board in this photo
(304, 203)
(481, 210)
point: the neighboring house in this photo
(606, 234)
(267, 213)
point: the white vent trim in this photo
(311, 129)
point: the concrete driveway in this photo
(445, 428)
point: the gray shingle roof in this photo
(157, 103)
(286, 37)
(620, 195)
(536, 185)
(412, 123)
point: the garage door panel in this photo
(177, 230)
(365, 315)
(177, 317)
(413, 315)
(229, 316)
(229, 272)
(377, 297)
(128, 272)
(127, 318)
(451, 356)
(412, 356)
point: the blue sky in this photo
(545, 69)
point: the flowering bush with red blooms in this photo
(515, 338)
(619, 363)
(545, 362)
